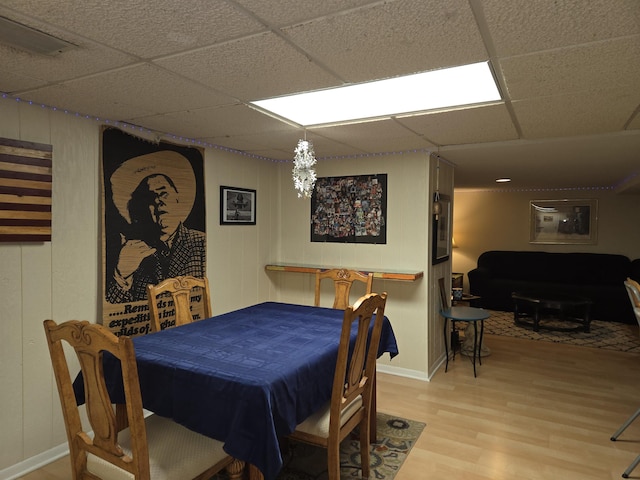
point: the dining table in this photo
(246, 377)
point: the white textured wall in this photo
(236, 254)
(56, 279)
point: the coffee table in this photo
(531, 307)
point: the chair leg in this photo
(633, 465)
(333, 461)
(615, 436)
(365, 447)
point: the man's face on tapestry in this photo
(154, 203)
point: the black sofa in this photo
(596, 276)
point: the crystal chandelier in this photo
(304, 176)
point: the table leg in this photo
(235, 469)
(536, 318)
(516, 312)
(587, 318)
(481, 339)
(453, 334)
(446, 348)
(475, 345)
(254, 473)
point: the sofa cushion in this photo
(514, 265)
(590, 268)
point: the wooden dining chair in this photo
(633, 290)
(148, 448)
(342, 281)
(444, 296)
(352, 391)
(180, 290)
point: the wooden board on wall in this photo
(25, 191)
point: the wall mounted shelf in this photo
(406, 276)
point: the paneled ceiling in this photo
(568, 70)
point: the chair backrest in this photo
(633, 290)
(444, 297)
(181, 290)
(355, 366)
(342, 281)
(89, 342)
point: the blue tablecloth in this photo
(246, 377)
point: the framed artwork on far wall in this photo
(441, 231)
(350, 209)
(237, 206)
(563, 221)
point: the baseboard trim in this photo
(402, 372)
(33, 463)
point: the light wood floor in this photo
(536, 411)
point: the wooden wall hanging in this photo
(153, 206)
(25, 191)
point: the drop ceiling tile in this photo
(252, 68)
(330, 150)
(12, 82)
(233, 143)
(581, 113)
(152, 28)
(522, 26)
(82, 101)
(375, 136)
(348, 40)
(326, 148)
(223, 121)
(393, 38)
(285, 139)
(604, 65)
(491, 123)
(273, 155)
(288, 12)
(129, 93)
(279, 145)
(42, 70)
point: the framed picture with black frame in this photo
(237, 206)
(441, 231)
(351, 209)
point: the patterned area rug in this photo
(396, 437)
(608, 335)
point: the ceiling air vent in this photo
(28, 39)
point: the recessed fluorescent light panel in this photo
(437, 89)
